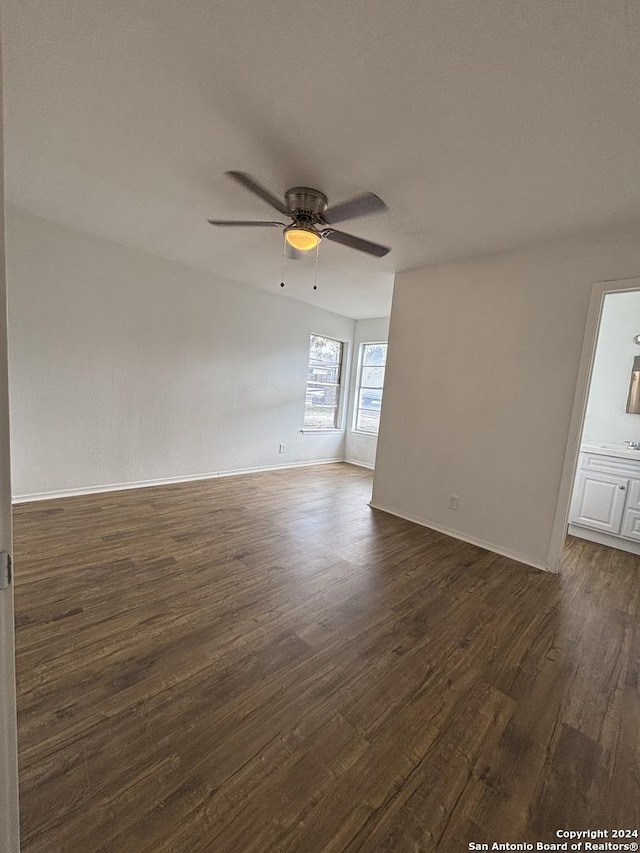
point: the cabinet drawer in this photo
(610, 465)
(631, 524)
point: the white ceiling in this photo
(483, 124)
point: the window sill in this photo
(312, 431)
(364, 432)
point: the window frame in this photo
(356, 399)
(340, 385)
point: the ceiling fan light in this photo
(301, 239)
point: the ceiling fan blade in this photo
(235, 222)
(356, 243)
(363, 205)
(253, 186)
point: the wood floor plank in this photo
(264, 663)
(423, 813)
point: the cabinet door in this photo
(631, 524)
(633, 501)
(599, 501)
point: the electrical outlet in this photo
(282, 448)
(453, 501)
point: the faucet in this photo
(633, 445)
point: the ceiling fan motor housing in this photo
(305, 203)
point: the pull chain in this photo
(315, 272)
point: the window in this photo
(323, 383)
(373, 358)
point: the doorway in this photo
(601, 474)
(605, 503)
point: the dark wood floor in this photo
(264, 663)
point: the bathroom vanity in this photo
(605, 506)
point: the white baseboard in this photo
(604, 539)
(165, 481)
(360, 463)
(455, 534)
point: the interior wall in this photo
(606, 420)
(127, 368)
(482, 368)
(360, 447)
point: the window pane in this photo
(372, 377)
(325, 350)
(368, 421)
(374, 354)
(370, 398)
(321, 417)
(322, 395)
(323, 372)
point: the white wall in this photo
(606, 419)
(482, 368)
(360, 447)
(126, 367)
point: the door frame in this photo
(9, 825)
(581, 396)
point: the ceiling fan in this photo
(311, 218)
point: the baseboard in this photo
(360, 464)
(605, 539)
(166, 481)
(471, 540)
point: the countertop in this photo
(620, 450)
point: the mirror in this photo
(633, 400)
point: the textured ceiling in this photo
(482, 124)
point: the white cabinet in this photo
(631, 524)
(600, 501)
(606, 499)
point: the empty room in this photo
(319, 426)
